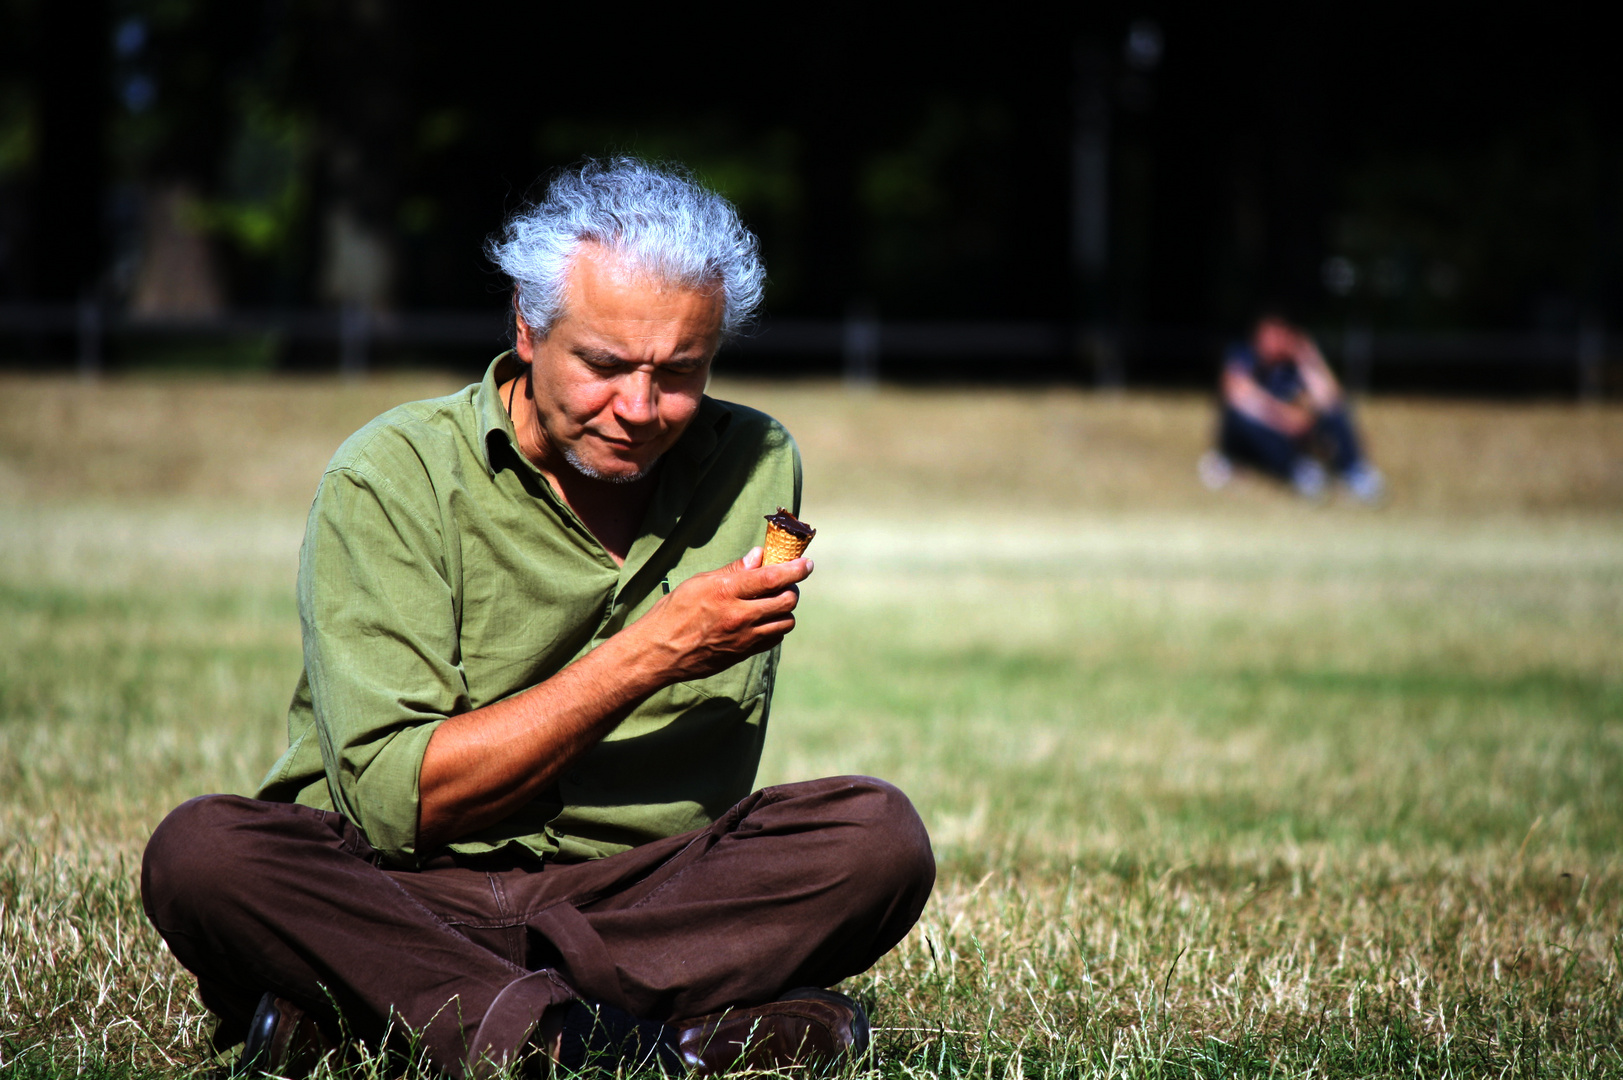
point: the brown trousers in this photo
(799, 885)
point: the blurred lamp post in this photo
(861, 346)
(1591, 357)
(1090, 214)
(1097, 309)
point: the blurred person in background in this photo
(514, 821)
(1283, 413)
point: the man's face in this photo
(620, 375)
(1274, 341)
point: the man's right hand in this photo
(713, 620)
(1295, 420)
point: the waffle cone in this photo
(781, 546)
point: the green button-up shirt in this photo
(440, 573)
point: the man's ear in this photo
(523, 339)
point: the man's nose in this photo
(638, 399)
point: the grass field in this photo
(1221, 785)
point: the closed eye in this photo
(608, 363)
(600, 359)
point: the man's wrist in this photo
(634, 664)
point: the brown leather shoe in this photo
(282, 1040)
(808, 1027)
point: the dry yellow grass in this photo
(265, 442)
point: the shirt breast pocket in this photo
(743, 682)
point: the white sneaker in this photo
(1364, 482)
(1307, 477)
(1215, 470)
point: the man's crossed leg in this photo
(799, 885)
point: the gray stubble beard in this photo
(579, 464)
(573, 456)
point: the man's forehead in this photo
(608, 297)
(601, 265)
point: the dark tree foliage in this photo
(1425, 171)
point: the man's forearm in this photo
(1322, 388)
(1247, 398)
(481, 766)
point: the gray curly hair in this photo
(657, 215)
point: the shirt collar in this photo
(697, 442)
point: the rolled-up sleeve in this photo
(380, 647)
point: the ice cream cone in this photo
(786, 538)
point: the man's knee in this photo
(188, 860)
(215, 854)
(893, 853)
